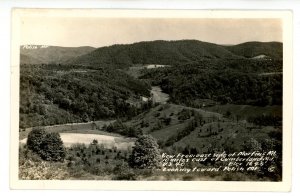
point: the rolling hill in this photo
(36, 54)
(156, 52)
(175, 52)
(254, 49)
(148, 52)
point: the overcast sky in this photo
(97, 32)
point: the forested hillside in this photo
(51, 54)
(51, 94)
(252, 49)
(174, 53)
(158, 52)
(238, 82)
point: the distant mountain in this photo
(156, 52)
(254, 49)
(51, 54)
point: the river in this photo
(158, 96)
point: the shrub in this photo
(94, 142)
(167, 120)
(123, 172)
(184, 114)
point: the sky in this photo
(98, 32)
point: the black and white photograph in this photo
(151, 96)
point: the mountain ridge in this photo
(171, 52)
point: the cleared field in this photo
(156, 115)
(107, 141)
(166, 133)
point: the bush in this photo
(123, 172)
(184, 114)
(48, 146)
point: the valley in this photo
(190, 96)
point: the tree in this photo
(52, 148)
(94, 142)
(145, 153)
(35, 139)
(48, 146)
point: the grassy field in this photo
(165, 133)
(154, 121)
